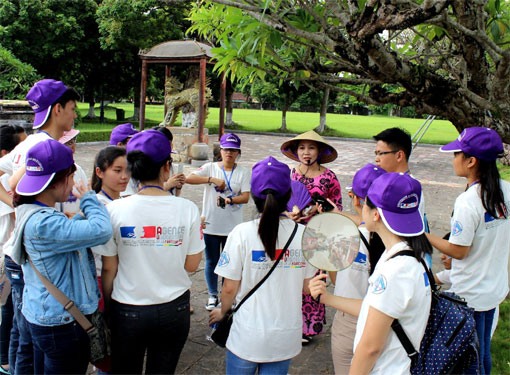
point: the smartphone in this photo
(326, 206)
(221, 202)
(179, 168)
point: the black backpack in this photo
(450, 343)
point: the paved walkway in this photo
(431, 167)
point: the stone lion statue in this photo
(175, 99)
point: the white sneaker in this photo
(212, 302)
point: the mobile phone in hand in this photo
(179, 168)
(326, 206)
(221, 202)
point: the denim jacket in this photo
(58, 247)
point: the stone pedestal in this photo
(184, 138)
(16, 112)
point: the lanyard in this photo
(150, 186)
(227, 180)
(106, 195)
(40, 204)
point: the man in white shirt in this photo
(54, 105)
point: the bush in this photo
(94, 136)
(16, 77)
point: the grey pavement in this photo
(432, 168)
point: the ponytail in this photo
(270, 209)
(490, 188)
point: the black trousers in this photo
(161, 330)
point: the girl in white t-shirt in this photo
(479, 241)
(109, 179)
(227, 189)
(156, 242)
(266, 330)
(353, 281)
(398, 288)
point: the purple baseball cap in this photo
(482, 143)
(152, 143)
(41, 97)
(42, 162)
(270, 174)
(122, 132)
(364, 178)
(230, 140)
(397, 198)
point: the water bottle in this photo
(212, 326)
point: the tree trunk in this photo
(91, 113)
(284, 118)
(324, 110)
(229, 94)
(137, 85)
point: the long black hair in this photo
(104, 159)
(490, 188)
(270, 208)
(9, 137)
(419, 244)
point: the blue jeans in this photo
(239, 366)
(21, 350)
(5, 330)
(160, 329)
(213, 246)
(484, 320)
(64, 348)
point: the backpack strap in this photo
(397, 327)
(365, 241)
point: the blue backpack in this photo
(450, 343)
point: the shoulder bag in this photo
(220, 335)
(96, 330)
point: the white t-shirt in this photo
(72, 205)
(14, 160)
(152, 235)
(482, 277)
(222, 220)
(268, 326)
(6, 218)
(399, 288)
(353, 281)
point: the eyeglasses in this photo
(381, 153)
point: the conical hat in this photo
(326, 154)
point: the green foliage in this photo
(500, 345)
(53, 35)
(16, 77)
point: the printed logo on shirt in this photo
(361, 258)
(291, 259)
(491, 221)
(224, 259)
(152, 236)
(149, 232)
(379, 285)
(127, 232)
(456, 228)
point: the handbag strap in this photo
(397, 327)
(68, 305)
(270, 271)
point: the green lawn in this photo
(501, 341)
(440, 132)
